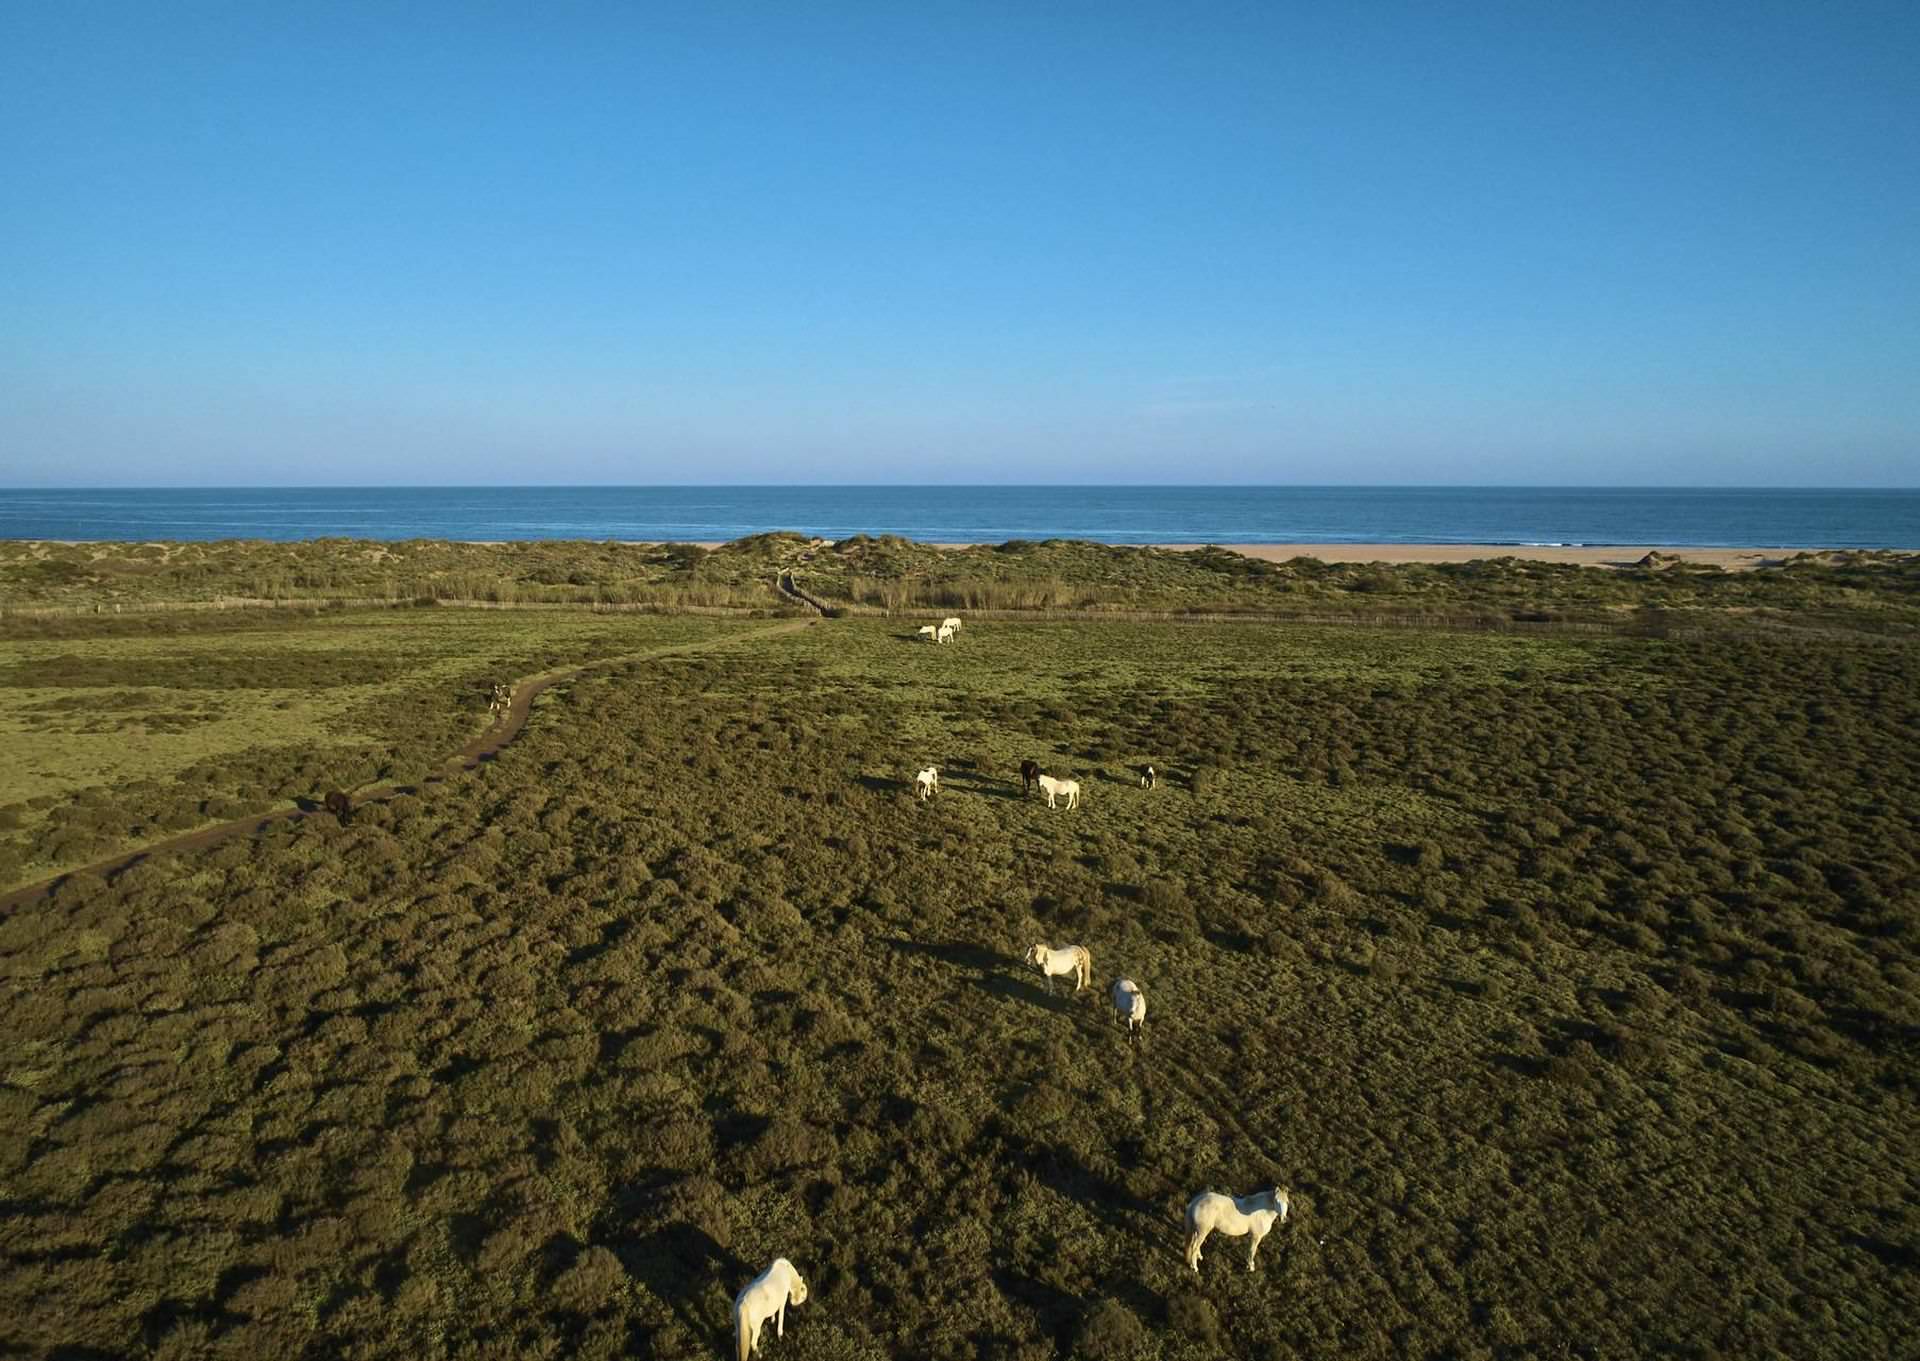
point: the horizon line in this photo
(976, 486)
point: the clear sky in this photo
(1577, 243)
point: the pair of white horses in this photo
(926, 783)
(1129, 1002)
(768, 1294)
(941, 632)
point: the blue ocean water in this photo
(1731, 518)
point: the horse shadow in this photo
(975, 783)
(994, 974)
(956, 953)
(1057, 1167)
(881, 784)
(1058, 1312)
(679, 1264)
(1016, 989)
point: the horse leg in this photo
(1258, 1235)
(780, 1324)
(1193, 1247)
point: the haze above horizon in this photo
(1630, 245)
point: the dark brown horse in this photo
(340, 806)
(1029, 777)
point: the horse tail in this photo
(743, 1335)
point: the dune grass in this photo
(1854, 590)
(1569, 984)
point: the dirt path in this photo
(481, 749)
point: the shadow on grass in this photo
(994, 973)
(677, 1265)
(957, 953)
(1057, 1166)
(1057, 1311)
(981, 784)
(1020, 990)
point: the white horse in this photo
(1068, 959)
(1050, 787)
(931, 632)
(1130, 1005)
(927, 783)
(945, 635)
(952, 621)
(1211, 1212)
(766, 1297)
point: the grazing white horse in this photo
(1211, 1212)
(1068, 959)
(1130, 1005)
(766, 1297)
(945, 635)
(1050, 787)
(931, 632)
(952, 621)
(927, 783)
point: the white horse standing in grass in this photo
(945, 635)
(931, 632)
(1050, 787)
(952, 621)
(1211, 1212)
(766, 1297)
(1130, 1005)
(927, 783)
(1068, 959)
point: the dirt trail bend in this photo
(500, 732)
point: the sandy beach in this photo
(1615, 556)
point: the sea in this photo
(1509, 516)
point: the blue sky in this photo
(1615, 243)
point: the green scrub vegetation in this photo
(1567, 982)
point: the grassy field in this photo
(119, 730)
(1568, 982)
